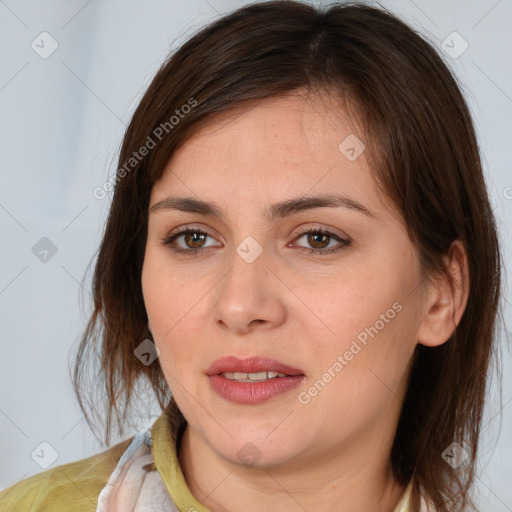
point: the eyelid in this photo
(333, 231)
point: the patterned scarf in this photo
(135, 484)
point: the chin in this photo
(260, 450)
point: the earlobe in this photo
(445, 305)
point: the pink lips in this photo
(250, 365)
(252, 393)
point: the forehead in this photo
(295, 126)
(269, 150)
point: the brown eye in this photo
(194, 240)
(319, 240)
(188, 240)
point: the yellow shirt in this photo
(75, 486)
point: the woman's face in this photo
(345, 318)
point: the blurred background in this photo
(71, 75)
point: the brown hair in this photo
(423, 153)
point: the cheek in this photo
(371, 339)
(367, 382)
(350, 302)
(176, 315)
(169, 297)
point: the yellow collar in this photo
(167, 464)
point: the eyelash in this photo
(190, 252)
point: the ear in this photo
(444, 307)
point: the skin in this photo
(298, 308)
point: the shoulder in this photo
(73, 486)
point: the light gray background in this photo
(62, 119)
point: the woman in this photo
(302, 261)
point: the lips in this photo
(257, 364)
(254, 380)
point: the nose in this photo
(249, 297)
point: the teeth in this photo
(252, 377)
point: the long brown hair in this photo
(423, 153)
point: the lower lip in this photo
(252, 393)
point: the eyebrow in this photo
(277, 210)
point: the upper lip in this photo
(250, 365)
